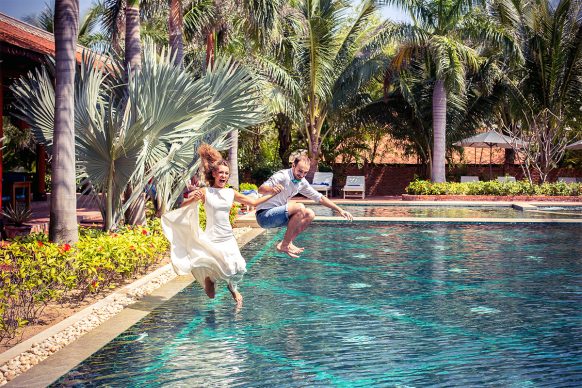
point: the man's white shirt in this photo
(290, 189)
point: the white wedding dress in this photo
(212, 253)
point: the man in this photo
(277, 211)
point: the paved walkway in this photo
(87, 213)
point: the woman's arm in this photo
(246, 200)
(196, 195)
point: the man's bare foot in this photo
(209, 288)
(236, 296)
(295, 248)
(287, 250)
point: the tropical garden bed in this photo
(42, 282)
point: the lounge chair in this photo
(505, 179)
(355, 186)
(469, 178)
(566, 179)
(322, 182)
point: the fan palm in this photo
(149, 130)
(448, 36)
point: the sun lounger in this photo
(322, 181)
(469, 178)
(355, 186)
(566, 179)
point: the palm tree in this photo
(134, 136)
(175, 28)
(216, 20)
(63, 213)
(446, 34)
(132, 35)
(545, 98)
(332, 59)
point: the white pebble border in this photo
(106, 308)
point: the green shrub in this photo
(248, 186)
(421, 187)
(34, 271)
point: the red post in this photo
(1, 131)
(41, 171)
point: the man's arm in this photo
(269, 186)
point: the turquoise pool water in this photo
(406, 305)
(449, 211)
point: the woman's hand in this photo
(196, 195)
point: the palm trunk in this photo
(210, 49)
(132, 36)
(175, 25)
(233, 159)
(439, 123)
(314, 153)
(133, 214)
(63, 226)
(284, 126)
(108, 225)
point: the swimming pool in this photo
(383, 305)
(447, 211)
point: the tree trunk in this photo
(175, 26)
(132, 36)
(63, 226)
(233, 159)
(314, 155)
(135, 213)
(284, 125)
(439, 123)
(210, 49)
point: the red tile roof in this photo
(23, 35)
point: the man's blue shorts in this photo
(273, 218)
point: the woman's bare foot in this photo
(209, 288)
(287, 249)
(236, 296)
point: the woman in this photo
(212, 254)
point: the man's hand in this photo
(277, 189)
(347, 215)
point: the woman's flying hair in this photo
(211, 159)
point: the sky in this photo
(21, 8)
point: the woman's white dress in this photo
(211, 253)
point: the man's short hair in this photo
(301, 158)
